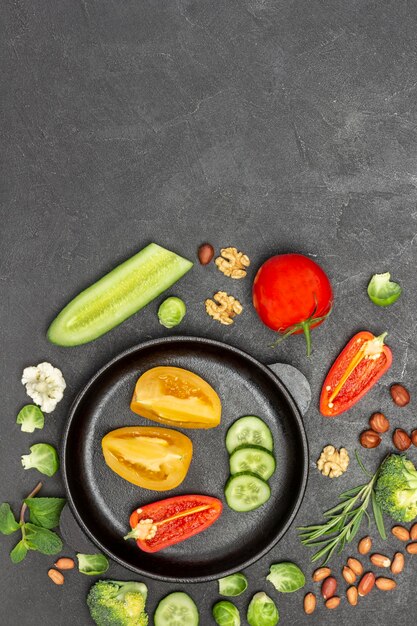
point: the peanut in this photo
(64, 563)
(352, 596)
(56, 576)
(356, 566)
(321, 573)
(328, 588)
(366, 583)
(385, 584)
(412, 548)
(413, 532)
(380, 560)
(349, 575)
(309, 603)
(397, 564)
(332, 603)
(400, 533)
(364, 545)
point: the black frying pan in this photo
(102, 501)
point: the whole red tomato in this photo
(292, 294)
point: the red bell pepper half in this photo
(161, 524)
(358, 367)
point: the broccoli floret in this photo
(396, 488)
(118, 603)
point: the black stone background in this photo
(273, 126)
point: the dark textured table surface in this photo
(269, 125)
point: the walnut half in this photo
(232, 262)
(223, 307)
(333, 462)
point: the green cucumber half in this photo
(246, 492)
(118, 295)
(253, 459)
(176, 608)
(249, 431)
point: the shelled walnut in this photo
(333, 462)
(232, 262)
(223, 308)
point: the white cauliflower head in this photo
(45, 384)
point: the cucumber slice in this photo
(117, 295)
(246, 492)
(176, 608)
(249, 431)
(252, 459)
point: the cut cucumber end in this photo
(117, 296)
(176, 608)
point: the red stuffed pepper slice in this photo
(161, 524)
(358, 367)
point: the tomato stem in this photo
(307, 335)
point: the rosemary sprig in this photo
(343, 521)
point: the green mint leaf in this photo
(45, 512)
(8, 524)
(19, 552)
(42, 539)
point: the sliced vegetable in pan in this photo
(253, 459)
(148, 456)
(358, 367)
(161, 524)
(246, 492)
(251, 431)
(176, 397)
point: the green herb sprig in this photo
(343, 521)
(44, 514)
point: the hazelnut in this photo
(205, 253)
(401, 440)
(379, 423)
(369, 439)
(414, 437)
(400, 395)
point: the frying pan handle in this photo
(295, 382)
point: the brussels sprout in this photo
(233, 585)
(92, 564)
(29, 418)
(382, 291)
(226, 614)
(42, 457)
(262, 611)
(286, 577)
(171, 312)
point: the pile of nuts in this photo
(233, 263)
(64, 563)
(379, 424)
(354, 570)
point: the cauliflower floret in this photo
(45, 384)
